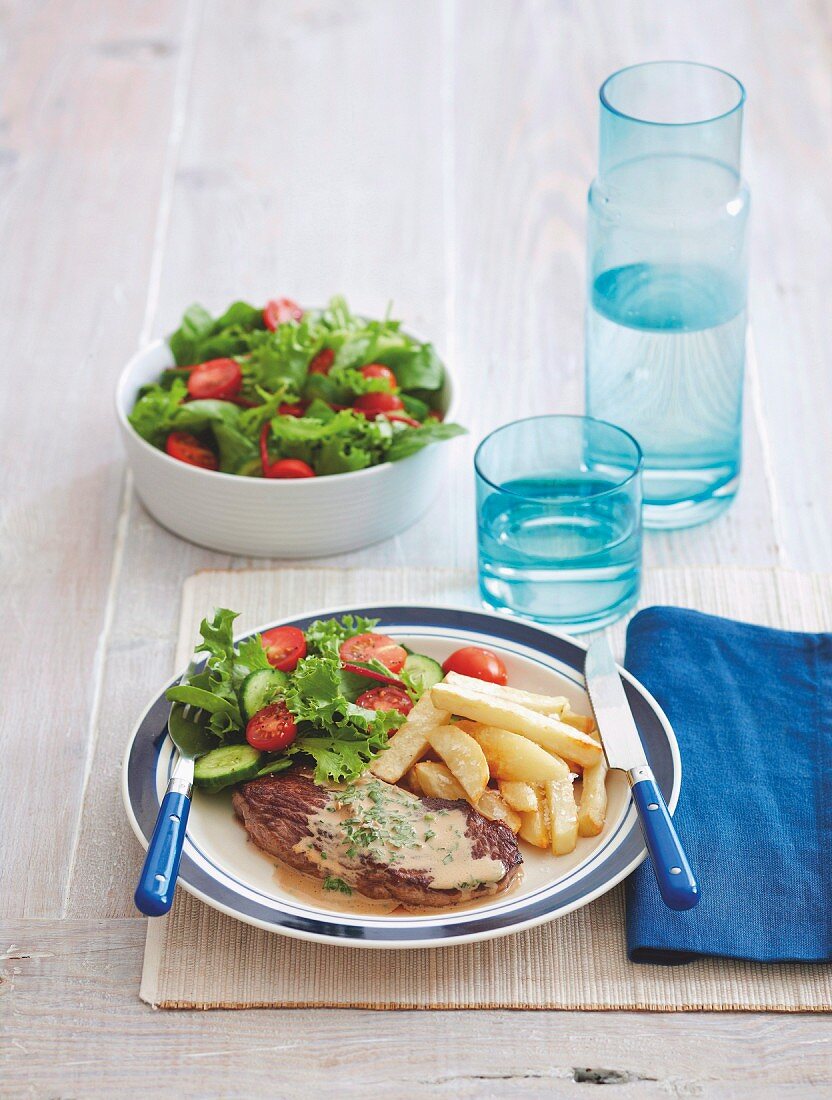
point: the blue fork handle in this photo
(677, 884)
(157, 882)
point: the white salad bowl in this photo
(264, 518)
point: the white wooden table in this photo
(155, 152)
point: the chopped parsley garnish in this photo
(379, 823)
(332, 882)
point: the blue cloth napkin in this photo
(752, 711)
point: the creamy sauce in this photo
(310, 888)
(370, 819)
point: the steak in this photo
(378, 839)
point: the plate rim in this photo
(412, 944)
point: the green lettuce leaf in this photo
(236, 450)
(155, 409)
(196, 326)
(201, 337)
(411, 440)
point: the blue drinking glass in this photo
(667, 273)
(559, 520)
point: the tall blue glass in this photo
(667, 267)
(559, 520)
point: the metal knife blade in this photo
(623, 749)
(619, 736)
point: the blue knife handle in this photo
(677, 884)
(157, 882)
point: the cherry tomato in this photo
(279, 310)
(378, 370)
(219, 379)
(187, 448)
(482, 664)
(272, 728)
(385, 698)
(322, 363)
(284, 646)
(373, 647)
(288, 467)
(371, 404)
(290, 410)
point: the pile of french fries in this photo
(512, 754)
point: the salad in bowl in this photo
(283, 392)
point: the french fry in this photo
(562, 812)
(544, 730)
(543, 704)
(533, 826)
(592, 808)
(467, 725)
(513, 757)
(520, 796)
(437, 781)
(410, 743)
(493, 806)
(410, 782)
(463, 756)
(581, 722)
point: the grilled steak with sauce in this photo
(379, 839)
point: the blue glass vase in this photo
(667, 273)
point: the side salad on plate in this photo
(284, 392)
(328, 697)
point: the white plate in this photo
(225, 871)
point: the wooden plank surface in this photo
(87, 100)
(295, 1054)
(437, 154)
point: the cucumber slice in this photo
(226, 765)
(423, 672)
(259, 689)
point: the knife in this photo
(624, 750)
(157, 882)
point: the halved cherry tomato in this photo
(322, 363)
(371, 404)
(272, 728)
(279, 310)
(371, 674)
(385, 698)
(373, 647)
(378, 370)
(291, 410)
(482, 664)
(284, 646)
(219, 379)
(187, 448)
(283, 467)
(289, 467)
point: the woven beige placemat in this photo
(199, 958)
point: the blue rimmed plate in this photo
(221, 868)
